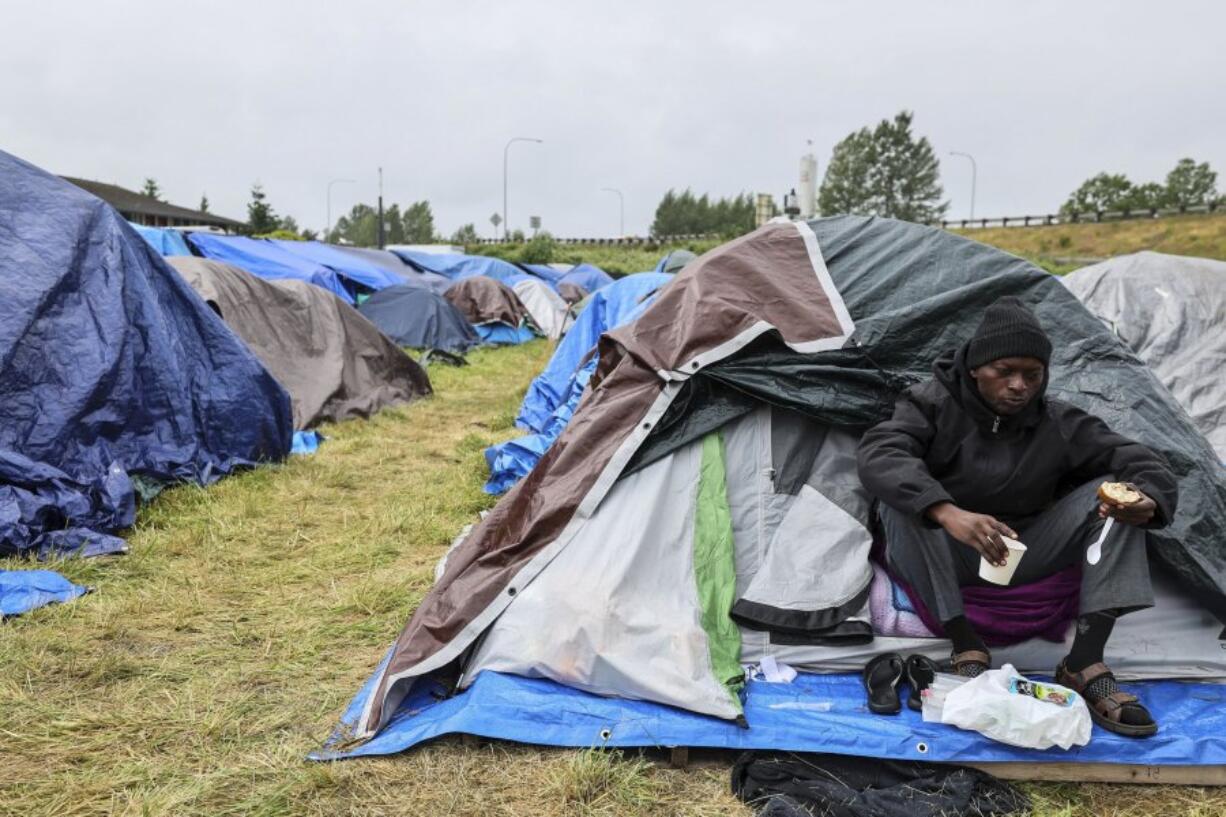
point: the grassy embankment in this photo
(223, 648)
(1060, 248)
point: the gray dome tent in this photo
(1171, 311)
(709, 464)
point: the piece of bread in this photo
(1117, 493)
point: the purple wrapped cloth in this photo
(1009, 615)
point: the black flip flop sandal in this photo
(881, 677)
(921, 670)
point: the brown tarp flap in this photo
(333, 362)
(571, 293)
(484, 300)
(763, 280)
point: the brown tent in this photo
(571, 292)
(484, 300)
(771, 280)
(333, 362)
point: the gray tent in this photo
(333, 362)
(1171, 311)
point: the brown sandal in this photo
(961, 659)
(1108, 710)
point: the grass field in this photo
(222, 649)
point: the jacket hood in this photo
(951, 371)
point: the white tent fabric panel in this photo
(617, 612)
(1176, 638)
(545, 307)
(1171, 311)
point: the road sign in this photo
(495, 219)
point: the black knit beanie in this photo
(1008, 329)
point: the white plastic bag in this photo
(994, 706)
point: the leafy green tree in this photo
(684, 214)
(1143, 197)
(151, 189)
(281, 234)
(886, 171)
(260, 216)
(288, 224)
(418, 223)
(204, 202)
(539, 249)
(360, 227)
(1190, 183)
(394, 225)
(465, 235)
(1105, 192)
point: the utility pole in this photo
(506, 224)
(621, 210)
(974, 178)
(380, 234)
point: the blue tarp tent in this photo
(554, 394)
(350, 267)
(24, 590)
(113, 368)
(545, 272)
(166, 241)
(264, 259)
(414, 316)
(587, 276)
(397, 266)
(457, 267)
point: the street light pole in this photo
(505, 223)
(621, 210)
(974, 177)
(328, 226)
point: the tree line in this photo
(1188, 184)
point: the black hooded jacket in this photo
(945, 444)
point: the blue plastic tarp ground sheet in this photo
(113, 368)
(590, 277)
(166, 241)
(306, 442)
(608, 308)
(457, 266)
(24, 590)
(500, 334)
(348, 266)
(266, 260)
(815, 713)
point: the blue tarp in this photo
(457, 267)
(166, 241)
(545, 272)
(24, 590)
(554, 394)
(306, 442)
(500, 334)
(113, 368)
(815, 713)
(351, 267)
(394, 264)
(264, 259)
(414, 316)
(587, 276)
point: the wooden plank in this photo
(1108, 773)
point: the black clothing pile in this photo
(787, 784)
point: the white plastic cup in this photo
(1004, 574)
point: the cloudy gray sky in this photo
(641, 96)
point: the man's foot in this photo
(1110, 707)
(971, 663)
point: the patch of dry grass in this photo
(219, 652)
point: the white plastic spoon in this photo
(1096, 550)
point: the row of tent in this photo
(695, 511)
(140, 357)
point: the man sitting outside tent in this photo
(978, 453)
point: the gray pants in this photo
(937, 566)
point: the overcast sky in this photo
(719, 97)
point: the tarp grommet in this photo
(922, 748)
(606, 734)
